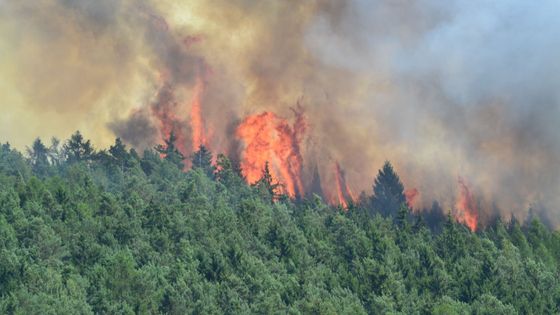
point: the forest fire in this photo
(165, 110)
(197, 122)
(214, 73)
(410, 195)
(264, 136)
(269, 138)
(466, 209)
(343, 192)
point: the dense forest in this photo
(86, 231)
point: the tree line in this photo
(86, 231)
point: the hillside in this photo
(117, 232)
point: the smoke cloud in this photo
(444, 90)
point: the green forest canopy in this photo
(115, 232)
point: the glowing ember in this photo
(466, 207)
(197, 122)
(410, 195)
(267, 137)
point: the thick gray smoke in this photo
(443, 89)
(472, 90)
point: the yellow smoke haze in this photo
(60, 73)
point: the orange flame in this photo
(343, 191)
(466, 207)
(197, 122)
(340, 195)
(269, 138)
(164, 109)
(410, 195)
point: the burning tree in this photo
(271, 140)
(267, 183)
(466, 207)
(170, 152)
(343, 192)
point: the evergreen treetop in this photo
(388, 191)
(170, 152)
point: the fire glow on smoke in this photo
(268, 138)
(380, 80)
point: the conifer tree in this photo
(402, 218)
(77, 150)
(227, 171)
(56, 155)
(203, 159)
(316, 183)
(267, 183)
(118, 150)
(39, 156)
(119, 155)
(434, 216)
(170, 151)
(388, 191)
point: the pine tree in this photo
(224, 167)
(434, 217)
(118, 150)
(402, 218)
(77, 150)
(119, 154)
(56, 155)
(227, 171)
(39, 156)
(316, 183)
(267, 183)
(170, 152)
(202, 159)
(388, 191)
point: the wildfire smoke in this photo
(438, 88)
